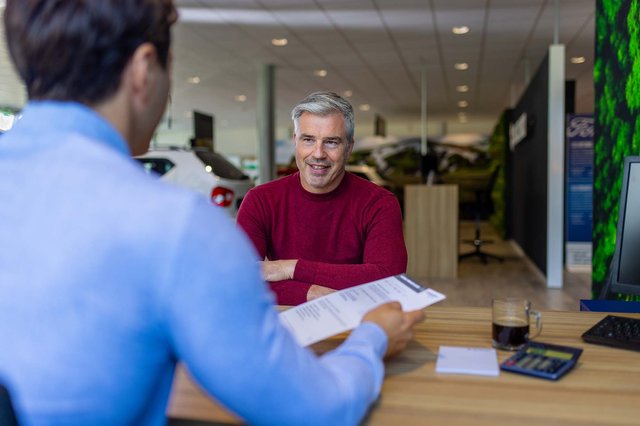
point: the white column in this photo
(555, 171)
(265, 111)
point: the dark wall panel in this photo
(528, 168)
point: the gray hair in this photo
(325, 103)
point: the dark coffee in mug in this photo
(511, 332)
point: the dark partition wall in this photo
(528, 167)
(617, 120)
(528, 171)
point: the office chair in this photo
(483, 199)
(7, 413)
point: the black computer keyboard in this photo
(612, 330)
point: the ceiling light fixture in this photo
(460, 30)
(461, 66)
(463, 104)
(240, 98)
(193, 80)
(578, 60)
(348, 93)
(279, 42)
(462, 88)
(364, 107)
(320, 73)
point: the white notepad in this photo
(463, 360)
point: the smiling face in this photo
(322, 150)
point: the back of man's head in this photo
(76, 50)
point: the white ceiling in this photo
(375, 48)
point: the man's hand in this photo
(278, 270)
(316, 291)
(398, 325)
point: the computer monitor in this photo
(625, 267)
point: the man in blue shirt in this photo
(108, 278)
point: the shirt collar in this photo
(72, 117)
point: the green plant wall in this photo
(617, 120)
(497, 153)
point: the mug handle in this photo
(538, 316)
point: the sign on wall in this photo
(579, 194)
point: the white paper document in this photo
(343, 310)
(462, 360)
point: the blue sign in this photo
(579, 207)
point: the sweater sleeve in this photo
(384, 252)
(290, 292)
(250, 218)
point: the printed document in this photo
(343, 310)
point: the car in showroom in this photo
(204, 171)
(369, 173)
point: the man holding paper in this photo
(323, 229)
(109, 277)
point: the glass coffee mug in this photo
(511, 323)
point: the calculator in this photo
(542, 360)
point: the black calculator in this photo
(542, 360)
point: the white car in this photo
(203, 171)
(368, 173)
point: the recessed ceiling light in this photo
(462, 88)
(279, 42)
(240, 98)
(462, 119)
(320, 73)
(364, 107)
(461, 66)
(193, 80)
(348, 93)
(460, 30)
(463, 104)
(578, 60)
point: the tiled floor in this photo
(478, 283)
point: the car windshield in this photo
(221, 166)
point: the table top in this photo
(603, 388)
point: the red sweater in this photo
(349, 236)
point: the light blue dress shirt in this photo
(108, 277)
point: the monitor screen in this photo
(626, 273)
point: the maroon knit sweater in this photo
(349, 236)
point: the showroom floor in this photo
(478, 283)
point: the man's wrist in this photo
(292, 268)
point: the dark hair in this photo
(76, 50)
(325, 103)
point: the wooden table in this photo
(603, 389)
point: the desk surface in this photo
(604, 388)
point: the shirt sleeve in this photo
(248, 218)
(220, 320)
(384, 252)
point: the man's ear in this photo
(143, 79)
(352, 143)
